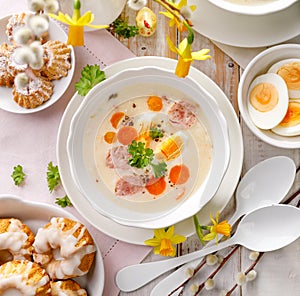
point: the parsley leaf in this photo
(90, 76)
(140, 156)
(122, 28)
(18, 175)
(159, 169)
(63, 201)
(156, 133)
(53, 176)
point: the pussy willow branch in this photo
(174, 10)
(287, 201)
(212, 275)
(246, 272)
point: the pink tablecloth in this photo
(30, 140)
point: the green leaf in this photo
(53, 176)
(18, 175)
(156, 133)
(140, 156)
(90, 76)
(159, 169)
(122, 28)
(63, 201)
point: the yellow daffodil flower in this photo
(172, 16)
(186, 56)
(77, 23)
(217, 228)
(164, 241)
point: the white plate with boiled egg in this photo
(269, 96)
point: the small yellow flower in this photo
(164, 241)
(76, 24)
(218, 228)
(174, 16)
(186, 56)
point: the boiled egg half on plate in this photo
(267, 100)
(289, 70)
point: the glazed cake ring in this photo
(65, 248)
(24, 276)
(16, 239)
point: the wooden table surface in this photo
(226, 73)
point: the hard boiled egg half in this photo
(290, 125)
(289, 70)
(267, 100)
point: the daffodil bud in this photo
(23, 55)
(36, 5)
(22, 35)
(21, 80)
(146, 22)
(136, 4)
(51, 6)
(38, 24)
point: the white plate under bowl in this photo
(245, 30)
(36, 215)
(139, 235)
(256, 7)
(60, 86)
(167, 209)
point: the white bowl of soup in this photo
(253, 7)
(146, 145)
(269, 96)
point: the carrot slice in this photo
(126, 135)
(179, 174)
(115, 118)
(156, 187)
(110, 137)
(154, 103)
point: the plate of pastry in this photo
(47, 84)
(52, 245)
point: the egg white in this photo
(269, 119)
(293, 93)
(287, 131)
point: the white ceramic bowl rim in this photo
(268, 7)
(267, 58)
(221, 151)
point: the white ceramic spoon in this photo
(256, 189)
(265, 229)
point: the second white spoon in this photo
(266, 183)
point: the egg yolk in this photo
(264, 97)
(291, 75)
(292, 116)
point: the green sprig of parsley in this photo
(53, 176)
(159, 169)
(141, 157)
(90, 76)
(18, 175)
(122, 28)
(63, 201)
(155, 133)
